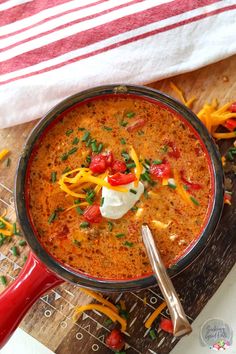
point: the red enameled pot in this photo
(42, 271)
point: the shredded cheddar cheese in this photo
(181, 95)
(8, 229)
(224, 135)
(154, 315)
(106, 310)
(3, 153)
(100, 299)
(160, 225)
(138, 169)
(180, 189)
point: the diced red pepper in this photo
(175, 153)
(230, 124)
(115, 340)
(191, 185)
(120, 178)
(198, 151)
(118, 166)
(227, 198)
(101, 162)
(166, 325)
(136, 125)
(92, 214)
(232, 108)
(160, 171)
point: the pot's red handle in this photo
(32, 282)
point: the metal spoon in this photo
(181, 326)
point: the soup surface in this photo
(174, 172)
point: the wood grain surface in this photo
(50, 320)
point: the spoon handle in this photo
(181, 325)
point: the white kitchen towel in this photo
(51, 49)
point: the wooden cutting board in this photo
(50, 321)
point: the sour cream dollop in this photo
(117, 204)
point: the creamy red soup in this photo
(118, 150)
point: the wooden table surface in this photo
(50, 321)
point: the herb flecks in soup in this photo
(105, 168)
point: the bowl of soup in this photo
(99, 165)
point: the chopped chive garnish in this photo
(195, 201)
(100, 147)
(22, 243)
(157, 162)
(86, 136)
(125, 155)
(53, 177)
(107, 128)
(102, 201)
(164, 148)
(67, 169)
(88, 143)
(145, 177)
(2, 239)
(185, 187)
(120, 235)
(130, 114)
(152, 334)
(14, 251)
(147, 162)
(135, 208)
(122, 141)
(69, 132)
(88, 159)
(15, 232)
(3, 280)
(146, 193)
(84, 225)
(173, 186)
(77, 243)
(25, 259)
(123, 123)
(131, 165)
(75, 141)
(81, 129)
(133, 191)
(64, 156)
(107, 322)
(72, 151)
(8, 163)
(52, 217)
(90, 197)
(124, 313)
(110, 225)
(94, 146)
(140, 132)
(2, 225)
(79, 211)
(128, 244)
(229, 156)
(77, 201)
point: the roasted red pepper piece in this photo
(136, 125)
(115, 340)
(232, 108)
(92, 214)
(166, 325)
(160, 171)
(230, 124)
(175, 153)
(120, 178)
(191, 185)
(118, 166)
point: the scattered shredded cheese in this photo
(165, 181)
(100, 299)
(181, 95)
(8, 230)
(224, 135)
(180, 189)
(3, 153)
(106, 310)
(138, 169)
(223, 160)
(154, 315)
